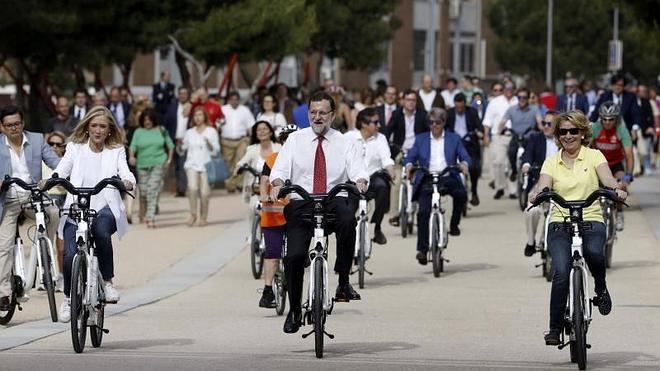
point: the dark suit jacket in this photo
(72, 112)
(125, 106)
(381, 114)
(396, 131)
(420, 154)
(534, 150)
(473, 124)
(581, 103)
(629, 109)
(438, 101)
(170, 119)
(646, 113)
(162, 97)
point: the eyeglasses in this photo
(319, 113)
(58, 145)
(572, 131)
(546, 123)
(436, 122)
(497, 90)
(523, 97)
(375, 122)
(13, 126)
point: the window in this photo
(419, 50)
(467, 57)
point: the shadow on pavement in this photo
(464, 268)
(332, 349)
(483, 214)
(145, 343)
(183, 222)
(633, 264)
(621, 360)
(392, 281)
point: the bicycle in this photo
(542, 247)
(470, 141)
(525, 181)
(609, 217)
(280, 284)
(319, 302)
(257, 243)
(522, 179)
(438, 231)
(40, 258)
(87, 293)
(579, 306)
(406, 205)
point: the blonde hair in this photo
(578, 119)
(81, 134)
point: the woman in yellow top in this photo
(273, 224)
(574, 173)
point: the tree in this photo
(582, 31)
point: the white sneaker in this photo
(65, 311)
(111, 294)
(619, 221)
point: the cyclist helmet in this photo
(285, 131)
(609, 109)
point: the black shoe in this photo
(491, 184)
(529, 250)
(379, 237)
(474, 201)
(498, 194)
(552, 338)
(5, 304)
(394, 221)
(604, 302)
(267, 298)
(513, 176)
(513, 196)
(422, 258)
(454, 230)
(292, 322)
(346, 293)
(180, 194)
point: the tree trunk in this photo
(183, 70)
(80, 78)
(125, 69)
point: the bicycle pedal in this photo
(304, 336)
(538, 265)
(588, 346)
(331, 336)
(563, 345)
(446, 260)
(108, 302)
(19, 307)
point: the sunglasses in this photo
(53, 144)
(546, 123)
(523, 97)
(436, 122)
(497, 90)
(375, 122)
(573, 131)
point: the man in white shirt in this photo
(302, 160)
(376, 155)
(450, 92)
(500, 140)
(235, 136)
(430, 97)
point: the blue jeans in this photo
(559, 245)
(102, 229)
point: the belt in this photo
(233, 140)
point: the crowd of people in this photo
(370, 137)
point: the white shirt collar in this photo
(25, 140)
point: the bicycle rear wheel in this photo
(280, 293)
(362, 258)
(96, 332)
(522, 194)
(79, 313)
(317, 308)
(403, 213)
(48, 278)
(610, 229)
(6, 316)
(256, 255)
(579, 324)
(435, 245)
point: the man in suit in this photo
(176, 123)
(405, 124)
(464, 121)
(539, 146)
(572, 99)
(118, 107)
(387, 109)
(63, 121)
(80, 106)
(628, 102)
(21, 154)
(163, 93)
(435, 151)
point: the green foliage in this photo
(582, 30)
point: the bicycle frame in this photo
(319, 251)
(579, 264)
(363, 215)
(86, 251)
(405, 183)
(436, 210)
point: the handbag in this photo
(216, 170)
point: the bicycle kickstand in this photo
(105, 330)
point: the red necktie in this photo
(320, 179)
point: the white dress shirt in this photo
(495, 112)
(448, 96)
(276, 120)
(437, 161)
(91, 164)
(19, 167)
(375, 151)
(409, 140)
(238, 122)
(460, 126)
(389, 110)
(427, 98)
(550, 147)
(117, 110)
(197, 152)
(79, 112)
(295, 160)
(181, 122)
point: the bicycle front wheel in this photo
(317, 308)
(362, 258)
(47, 277)
(403, 213)
(280, 292)
(79, 313)
(435, 245)
(610, 229)
(6, 316)
(256, 255)
(579, 324)
(522, 193)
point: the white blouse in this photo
(197, 152)
(276, 121)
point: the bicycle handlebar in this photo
(300, 191)
(249, 169)
(114, 181)
(442, 173)
(8, 181)
(547, 195)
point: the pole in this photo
(430, 39)
(548, 57)
(616, 24)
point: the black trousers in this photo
(513, 154)
(180, 173)
(459, 196)
(475, 169)
(379, 191)
(299, 235)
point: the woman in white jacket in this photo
(262, 144)
(95, 152)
